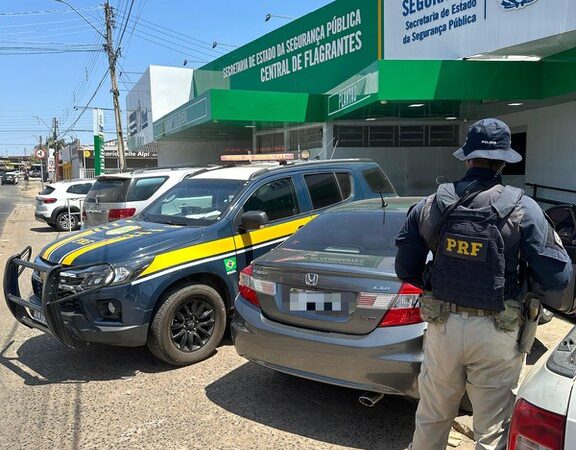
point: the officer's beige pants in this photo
(467, 353)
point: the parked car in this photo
(60, 204)
(326, 304)
(545, 412)
(124, 195)
(10, 178)
(168, 279)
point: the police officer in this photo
(481, 235)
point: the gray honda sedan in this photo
(326, 305)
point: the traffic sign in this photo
(40, 153)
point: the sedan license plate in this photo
(39, 317)
(301, 300)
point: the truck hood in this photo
(119, 242)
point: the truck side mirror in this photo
(253, 220)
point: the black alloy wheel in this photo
(192, 325)
(188, 325)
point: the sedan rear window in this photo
(357, 233)
(108, 190)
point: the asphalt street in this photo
(107, 397)
(8, 198)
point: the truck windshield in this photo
(194, 202)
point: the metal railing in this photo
(535, 196)
(89, 173)
(69, 206)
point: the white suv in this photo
(124, 195)
(59, 204)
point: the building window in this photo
(270, 143)
(518, 144)
(306, 138)
(412, 136)
(350, 136)
(382, 136)
(443, 135)
(397, 135)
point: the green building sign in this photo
(318, 51)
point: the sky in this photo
(34, 88)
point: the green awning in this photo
(241, 108)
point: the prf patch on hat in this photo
(464, 247)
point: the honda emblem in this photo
(311, 279)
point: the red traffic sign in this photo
(40, 153)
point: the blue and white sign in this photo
(455, 29)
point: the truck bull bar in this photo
(51, 295)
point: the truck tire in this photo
(188, 325)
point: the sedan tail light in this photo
(404, 309)
(49, 200)
(246, 286)
(122, 213)
(534, 428)
(249, 286)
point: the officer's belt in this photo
(471, 311)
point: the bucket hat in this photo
(489, 139)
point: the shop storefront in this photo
(397, 81)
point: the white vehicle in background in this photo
(60, 204)
(545, 413)
(124, 195)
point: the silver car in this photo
(124, 195)
(326, 305)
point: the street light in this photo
(269, 16)
(81, 15)
(216, 44)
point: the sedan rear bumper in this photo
(387, 360)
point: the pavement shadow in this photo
(44, 230)
(43, 360)
(318, 411)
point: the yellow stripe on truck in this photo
(189, 254)
(46, 255)
(69, 259)
(222, 246)
(270, 233)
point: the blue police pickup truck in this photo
(168, 278)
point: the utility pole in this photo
(112, 57)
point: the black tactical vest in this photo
(476, 249)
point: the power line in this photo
(48, 52)
(142, 36)
(41, 13)
(87, 103)
(206, 48)
(125, 25)
(35, 24)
